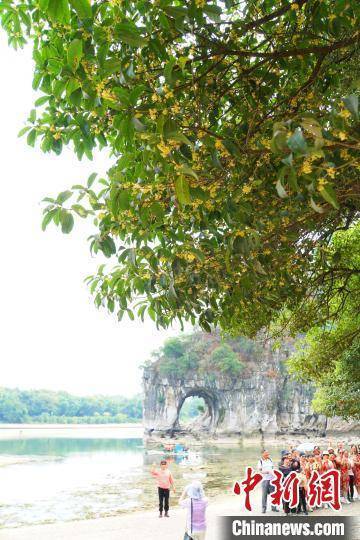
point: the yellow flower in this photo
(164, 149)
(240, 233)
(246, 189)
(321, 184)
(218, 144)
(306, 168)
(344, 113)
(331, 172)
(342, 136)
(153, 114)
(106, 94)
(295, 6)
(175, 108)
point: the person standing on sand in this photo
(193, 498)
(164, 482)
(266, 467)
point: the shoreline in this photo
(102, 431)
(140, 525)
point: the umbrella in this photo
(306, 447)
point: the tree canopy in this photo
(46, 406)
(234, 130)
(329, 355)
(208, 355)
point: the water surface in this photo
(61, 479)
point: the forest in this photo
(45, 406)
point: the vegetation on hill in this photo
(206, 354)
(45, 406)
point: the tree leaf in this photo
(280, 189)
(67, 221)
(188, 171)
(352, 104)
(59, 11)
(316, 207)
(75, 53)
(63, 196)
(130, 34)
(82, 8)
(182, 190)
(328, 193)
(297, 142)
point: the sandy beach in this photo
(147, 525)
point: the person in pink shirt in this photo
(164, 483)
(194, 500)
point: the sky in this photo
(52, 336)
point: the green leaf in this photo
(328, 193)
(182, 190)
(63, 196)
(188, 171)
(80, 210)
(139, 126)
(213, 12)
(168, 70)
(316, 207)
(297, 142)
(352, 104)
(41, 101)
(23, 131)
(130, 34)
(75, 54)
(91, 179)
(71, 86)
(280, 189)
(31, 138)
(82, 8)
(47, 218)
(67, 222)
(59, 11)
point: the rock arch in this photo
(210, 419)
(253, 405)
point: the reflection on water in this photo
(66, 479)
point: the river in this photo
(49, 478)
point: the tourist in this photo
(266, 467)
(286, 469)
(302, 492)
(194, 500)
(327, 464)
(343, 465)
(164, 482)
(355, 464)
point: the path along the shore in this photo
(147, 526)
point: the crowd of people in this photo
(302, 462)
(346, 461)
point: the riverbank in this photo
(84, 431)
(147, 526)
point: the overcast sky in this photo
(52, 336)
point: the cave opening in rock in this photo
(191, 409)
(195, 413)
